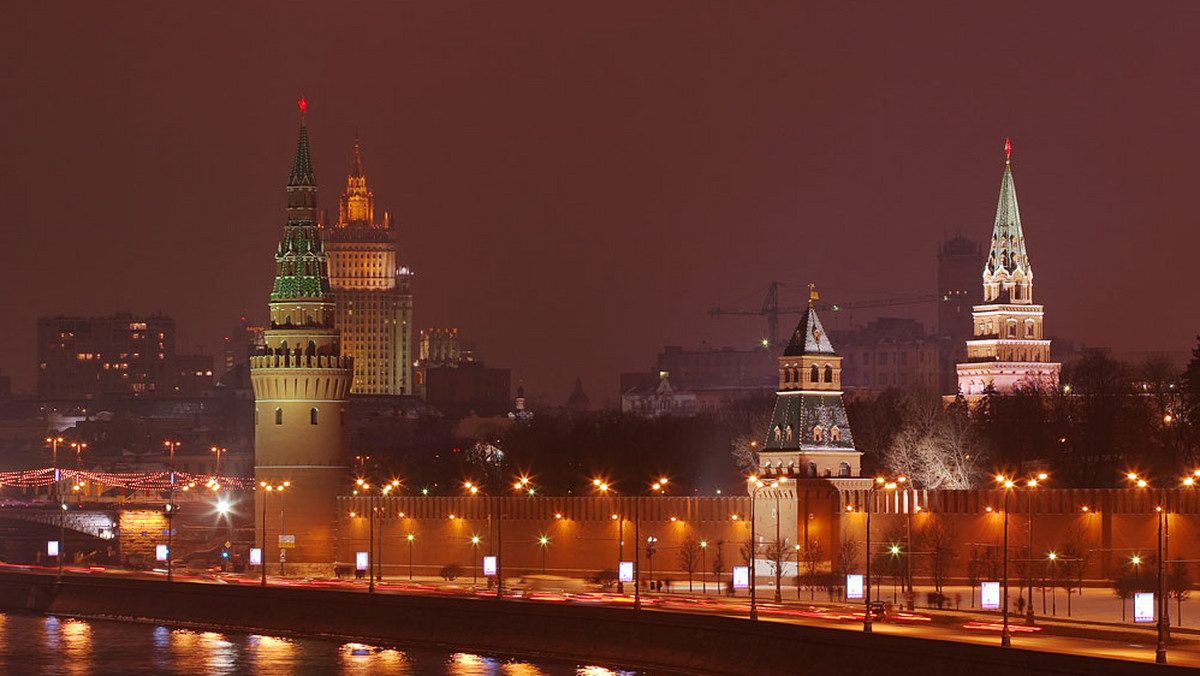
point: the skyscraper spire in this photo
(356, 168)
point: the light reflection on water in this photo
(35, 645)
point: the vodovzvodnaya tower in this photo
(301, 392)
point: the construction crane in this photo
(771, 310)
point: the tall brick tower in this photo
(374, 299)
(301, 391)
(1009, 350)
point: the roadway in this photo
(1092, 639)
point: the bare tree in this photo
(938, 539)
(1072, 562)
(689, 557)
(777, 553)
(937, 446)
(744, 451)
(1179, 587)
(847, 562)
(813, 554)
(718, 563)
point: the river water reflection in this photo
(36, 645)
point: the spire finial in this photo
(1007, 151)
(812, 294)
(303, 107)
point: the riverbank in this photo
(660, 642)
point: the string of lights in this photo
(151, 481)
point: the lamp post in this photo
(218, 451)
(474, 559)
(1005, 634)
(54, 442)
(756, 485)
(704, 567)
(267, 490)
(411, 537)
(1162, 624)
(171, 446)
(543, 541)
(170, 511)
(1032, 483)
(887, 484)
(78, 447)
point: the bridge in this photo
(97, 523)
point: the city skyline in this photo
(566, 183)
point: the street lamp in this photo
(704, 567)
(218, 451)
(79, 447)
(756, 485)
(886, 484)
(1163, 623)
(1032, 483)
(268, 489)
(543, 541)
(1005, 635)
(474, 558)
(62, 529)
(411, 537)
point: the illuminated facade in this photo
(1009, 350)
(372, 291)
(809, 434)
(301, 385)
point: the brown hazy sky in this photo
(576, 184)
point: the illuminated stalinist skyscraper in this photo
(1009, 350)
(374, 301)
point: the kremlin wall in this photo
(812, 492)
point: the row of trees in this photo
(1106, 418)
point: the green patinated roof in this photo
(302, 173)
(1007, 251)
(302, 268)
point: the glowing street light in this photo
(268, 488)
(885, 484)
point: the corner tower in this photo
(809, 434)
(372, 291)
(301, 390)
(1009, 350)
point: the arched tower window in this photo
(788, 433)
(843, 468)
(835, 433)
(817, 432)
(278, 416)
(828, 373)
(814, 374)
(812, 469)
(777, 433)
(312, 416)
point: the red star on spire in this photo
(303, 104)
(1007, 150)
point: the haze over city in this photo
(576, 186)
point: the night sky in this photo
(577, 185)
